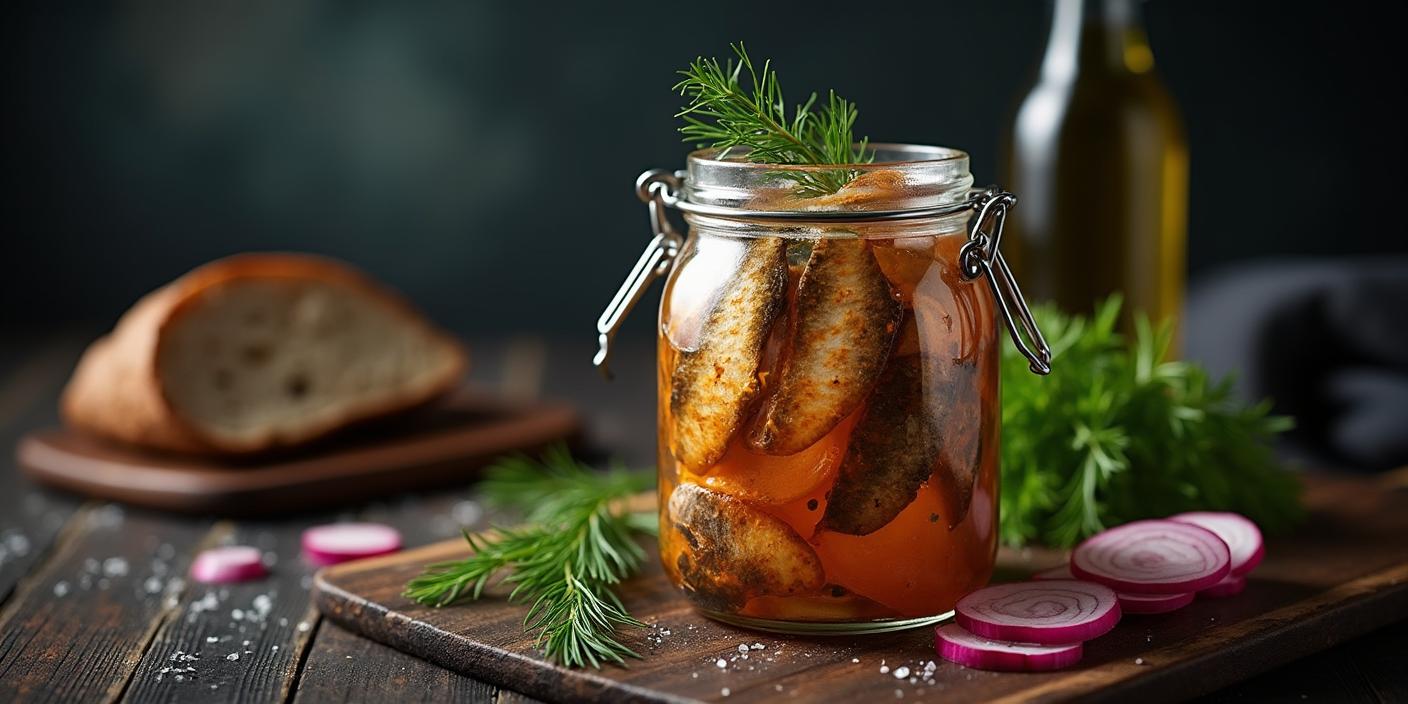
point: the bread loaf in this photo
(257, 352)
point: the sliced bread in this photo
(257, 352)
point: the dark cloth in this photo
(1327, 341)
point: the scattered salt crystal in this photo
(899, 694)
(211, 639)
(901, 672)
(232, 657)
(115, 567)
(743, 647)
(721, 663)
(695, 675)
(777, 688)
(276, 648)
(60, 588)
(725, 691)
(263, 604)
(237, 614)
(152, 585)
(757, 646)
(1139, 661)
(303, 626)
(855, 659)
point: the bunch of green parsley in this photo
(1118, 431)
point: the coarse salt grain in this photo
(721, 663)
(901, 672)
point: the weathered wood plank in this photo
(1346, 574)
(30, 517)
(347, 667)
(77, 628)
(1367, 669)
(237, 642)
(342, 666)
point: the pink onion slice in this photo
(1231, 585)
(1062, 572)
(232, 563)
(957, 645)
(1153, 557)
(1049, 612)
(1242, 536)
(340, 542)
(1153, 603)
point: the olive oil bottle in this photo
(1097, 156)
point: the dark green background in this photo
(480, 155)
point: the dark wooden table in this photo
(94, 605)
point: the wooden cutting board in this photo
(434, 446)
(1344, 574)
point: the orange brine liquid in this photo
(938, 547)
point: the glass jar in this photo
(828, 386)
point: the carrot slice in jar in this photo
(914, 564)
(773, 479)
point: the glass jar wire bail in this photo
(660, 189)
(980, 256)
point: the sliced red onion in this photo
(340, 542)
(958, 645)
(1242, 536)
(1231, 585)
(232, 563)
(1050, 612)
(1062, 572)
(1153, 603)
(1153, 557)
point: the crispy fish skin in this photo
(949, 315)
(712, 387)
(922, 420)
(733, 552)
(846, 318)
(892, 452)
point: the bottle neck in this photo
(1095, 37)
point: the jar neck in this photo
(1096, 37)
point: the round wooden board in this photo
(436, 446)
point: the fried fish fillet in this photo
(713, 386)
(732, 552)
(845, 321)
(922, 420)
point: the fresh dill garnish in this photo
(578, 543)
(733, 104)
(1118, 432)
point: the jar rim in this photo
(927, 176)
(937, 155)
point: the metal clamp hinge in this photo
(980, 256)
(657, 188)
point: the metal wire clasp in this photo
(657, 188)
(980, 256)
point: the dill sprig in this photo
(579, 542)
(1119, 432)
(733, 104)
